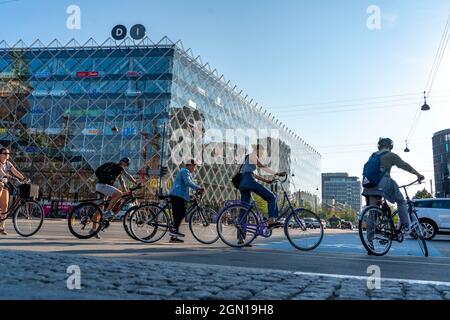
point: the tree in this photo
(423, 194)
(261, 204)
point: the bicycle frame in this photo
(194, 206)
(260, 228)
(14, 204)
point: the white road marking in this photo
(340, 276)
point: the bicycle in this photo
(377, 228)
(150, 222)
(86, 219)
(27, 214)
(240, 223)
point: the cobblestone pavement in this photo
(30, 275)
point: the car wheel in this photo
(429, 228)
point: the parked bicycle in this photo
(27, 214)
(377, 227)
(240, 223)
(86, 219)
(150, 222)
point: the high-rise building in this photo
(66, 109)
(441, 159)
(340, 188)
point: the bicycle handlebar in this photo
(280, 180)
(411, 184)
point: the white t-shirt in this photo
(5, 170)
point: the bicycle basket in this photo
(29, 191)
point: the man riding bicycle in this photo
(107, 175)
(387, 187)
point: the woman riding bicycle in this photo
(6, 169)
(248, 183)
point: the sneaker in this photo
(241, 242)
(175, 240)
(108, 215)
(406, 229)
(3, 232)
(97, 236)
(175, 233)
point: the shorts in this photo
(106, 189)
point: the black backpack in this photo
(104, 172)
(236, 180)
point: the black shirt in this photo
(115, 172)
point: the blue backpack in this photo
(372, 173)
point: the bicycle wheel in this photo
(418, 233)
(149, 223)
(303, 229)
(126, 222)
(203, 225)
(28, 218)
(376, 231)
(85, 220)
(237, 226)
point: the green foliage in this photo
(423, 194)
(261, 204)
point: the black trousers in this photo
(178, 210)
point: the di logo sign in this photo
(137, 32)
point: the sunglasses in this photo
(6, 153)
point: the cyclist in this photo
(248, 183)
(7, 169)
(107, 174)
(179, 196)
(387, 187)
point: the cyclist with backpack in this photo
(107, 174)
(377, 179)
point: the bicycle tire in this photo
(363, 237)
(156, 213)
(205, 215)
(290, 237)
(248, 239)
(94, 209)
(419, 234)
(39, 218)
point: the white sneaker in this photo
(97, 236)
(108, 215)
(406, 229)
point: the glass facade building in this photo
(341, 188)
(441, 159)
(66, 109)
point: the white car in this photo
(434, 215)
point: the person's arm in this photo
(399, 163)
(122, 183)
(188, 181)
(262, 179)
(267, 169)
(129, 177)
(16, 173)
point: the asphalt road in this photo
(340, 253)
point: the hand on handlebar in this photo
(420, 178)
(281, 174)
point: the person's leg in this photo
(268, 196)
(245, 197)
(4, 203)
(178, 211)
(393, 194)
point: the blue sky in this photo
(290, 55)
